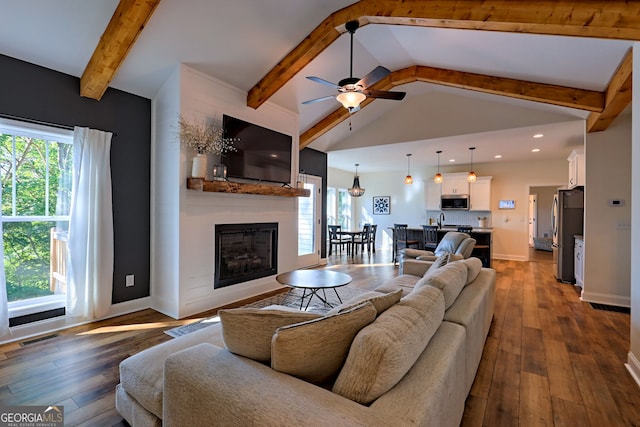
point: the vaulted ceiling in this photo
(567, 58)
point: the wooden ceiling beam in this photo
(530, 91)
(612, 19)
(125, 26)
(617, 96)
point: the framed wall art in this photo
(381, 205)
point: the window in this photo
(35, 169)
(339, 207)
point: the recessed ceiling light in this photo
(535, 150)
(538, 135)
(452, 160)
(498, 156)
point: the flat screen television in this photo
(262, 154)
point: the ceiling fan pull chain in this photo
(349, 125)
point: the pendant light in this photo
(408, 179)
(355, 190)
(438, 179)
(471, 177)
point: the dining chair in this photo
(335, 239)
(362, 239)
(372, 237)
(400, 240)
(430, 237)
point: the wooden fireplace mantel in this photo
(245, 188)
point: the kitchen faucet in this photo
(441, 219)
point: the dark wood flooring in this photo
(550, 359)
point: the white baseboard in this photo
(608, 299)
(508, 257)
(633, 366)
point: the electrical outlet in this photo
(130, 280)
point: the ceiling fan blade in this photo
(384, 94)
(324, 98)
(323, 82)
(374, 77)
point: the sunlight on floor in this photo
(145, 326)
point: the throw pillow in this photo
(474, 265)
(383, 352)
(381, 301)
(316, 350)
(450, 279)
(248, 331)
(440, 261)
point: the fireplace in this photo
(245, 252)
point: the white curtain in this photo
(4, 310)
(90, 244)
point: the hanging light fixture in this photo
(351, 100)
(438, 177)
(355, 190)
(471, 177)
(408, 179)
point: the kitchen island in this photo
(483, 236)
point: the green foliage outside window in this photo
(36, 183)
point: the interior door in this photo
(533, 217)
(309, 221)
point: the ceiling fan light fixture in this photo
(350, 100)
(438, 179)
(356, 190)
(408, 179)
(472, 177)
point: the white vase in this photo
(482, 223)
(199, 167)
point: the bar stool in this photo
(400, 240)
(430, 237)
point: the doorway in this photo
(540, 226)
(309, 222)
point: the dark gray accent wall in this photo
(314, 162)
(35, 93)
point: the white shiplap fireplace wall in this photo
(183, 221)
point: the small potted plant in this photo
(205, 138)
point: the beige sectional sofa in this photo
(375, 361)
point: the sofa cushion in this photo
(142, 375)
(316, 350)
(406, 282)
(450, 279)
(383, 352)
(474, 265)
(248, 331)
(381, 301)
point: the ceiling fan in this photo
(353, 90)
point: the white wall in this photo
(607, 246)
(633, 362)
(184, 220)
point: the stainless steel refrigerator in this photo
(567, 221)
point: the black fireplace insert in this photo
(245, 252)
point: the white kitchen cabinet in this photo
(455, 183)
(576, 168)
(433, 196)
(480, 194)
(578, 261)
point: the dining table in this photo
(352, 234)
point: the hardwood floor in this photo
(549, 359)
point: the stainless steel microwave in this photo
(454, 202)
